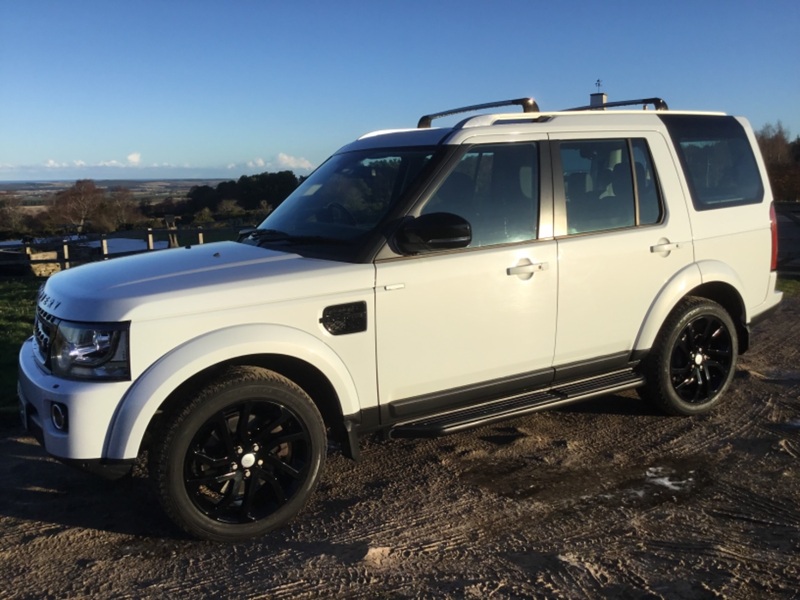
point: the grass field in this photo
(17, 305)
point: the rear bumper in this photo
(770, 304)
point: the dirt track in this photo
(605, 499)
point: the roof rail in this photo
(657, 103)
(528, 105)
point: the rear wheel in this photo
(242, 458)
(694, 358)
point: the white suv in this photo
(419, 282)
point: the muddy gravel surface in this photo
(608, 499)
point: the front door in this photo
(453, 325)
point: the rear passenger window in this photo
(609, 184)
(717, 159)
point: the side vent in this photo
(342, 319)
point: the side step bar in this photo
(517, 405)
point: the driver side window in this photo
(496, 189)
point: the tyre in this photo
(693, 359)
(241, 458)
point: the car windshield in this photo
(346, 199)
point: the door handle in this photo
(664, 247)
(526, 267)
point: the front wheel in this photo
(242, 457)
(693, 359)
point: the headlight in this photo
(90, 351)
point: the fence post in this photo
(149, 238)
(65, 260)
(171, 221)
(200, 235)
(104, 246)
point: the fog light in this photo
(58, 415)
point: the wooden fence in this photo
(45, 257)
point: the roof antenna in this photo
(598, 99)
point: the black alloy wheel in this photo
(701, 359)
(242, 458)
(693, 359)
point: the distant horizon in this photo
(95, 179)
(6, 185)
(144, 174)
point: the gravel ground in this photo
(604, 499)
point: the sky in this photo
(113, 89)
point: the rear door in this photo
(620, 240)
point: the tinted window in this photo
(348, 196)
(609, 184)
(647, 188)
(717, 160)
(496, 189)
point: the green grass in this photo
(790, 287)
(17, 307)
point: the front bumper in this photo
(88, 408)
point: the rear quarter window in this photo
(717, 160)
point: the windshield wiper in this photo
(273, 235)
(260, 234)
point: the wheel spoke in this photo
(287, 437)
(698, 376)
(720, 353)
(209, 462)
(278, 464)
(277, 489)
(683, 343)
(707, 332)
(231, 495)
(251, 489)
(224, 433)
(283, 417)
(209, 479)
(244, 419)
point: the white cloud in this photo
(284, 161)
(134, 158)
(281, 162)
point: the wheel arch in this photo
(297, 355)
(712, 280)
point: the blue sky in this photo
(168, 89)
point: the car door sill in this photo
(517, 405)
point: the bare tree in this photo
(773, 140)
(78, 204)
(11, 215)
(123, 208)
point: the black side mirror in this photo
(244, 233)
(434, 231)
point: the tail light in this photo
(774, 227)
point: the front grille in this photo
(43, 329)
